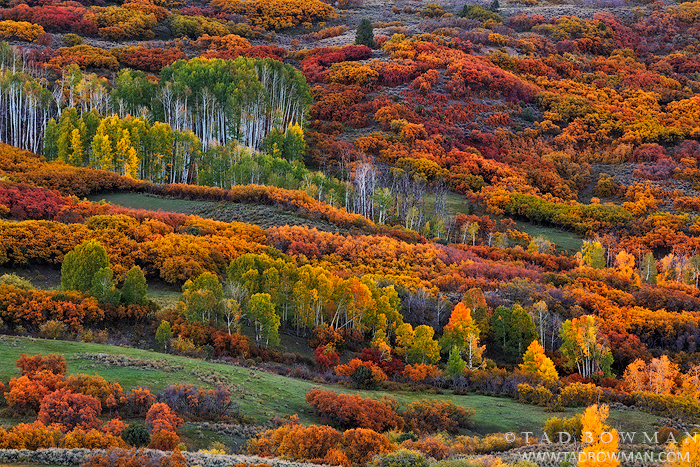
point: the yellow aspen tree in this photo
(687, 454)
(600, 441)
(102, 156)
(77, 155)
(658, 376)
(128, 162)
(535, 361)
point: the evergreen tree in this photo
(136, 435)
(495, 6)
(80, 265)
(365, 34)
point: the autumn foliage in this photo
(352, 411)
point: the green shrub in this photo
(72, 39)
(478, 13)
(136, 435)
(555, 428)
(400, 458)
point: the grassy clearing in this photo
(152, 203)
(256, 214)
(564, 241)
(263, 395)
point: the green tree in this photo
(136, 435)
(582, 347)
(135, 287)
(294, 147)
(455, 364)
(365, 34)
(593, 254)
(362, 377)
(163, 334)
(81, 264)
(67, 122)
(261, 311)
(103, 288)
(51, 140)
(522, 331)
(382, 198)
(513, 329)
(102, 157)
(201, 299)
(424, 349)
(77, 154)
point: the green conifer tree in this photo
(365, 34)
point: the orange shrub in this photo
(230, 41)
(132, 458)
(95, 386)
(160, 417)
(93, 439)
(137, 402)
(85, 56)
(51, 363)
(432, 416)
(26, 392)
(420, 372)
(164, 441)
(352, 411)
(71, 410)
(431, 446)
(360, 445)
(277, 14)
(113, 427)
(30, 436)
(350, 368)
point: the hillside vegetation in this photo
(353, 233)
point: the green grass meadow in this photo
(263, 395)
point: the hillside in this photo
(354, 233)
